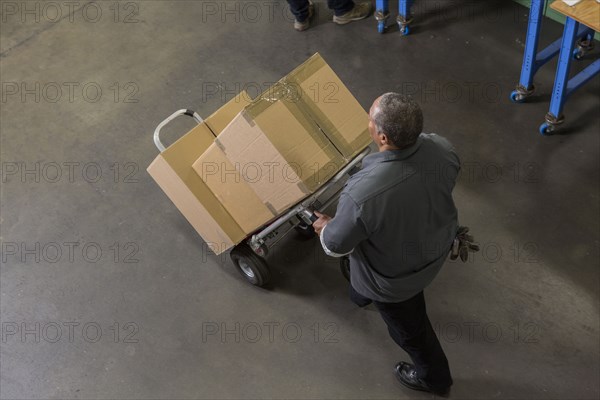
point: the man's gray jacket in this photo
(397, 219)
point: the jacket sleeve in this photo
(346, 230)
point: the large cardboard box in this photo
(173, 172)
(264, 156)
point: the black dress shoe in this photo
(407, 375)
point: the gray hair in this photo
(400, 118)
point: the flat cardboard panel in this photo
(225, 181)
(260, 165)
(224, 115)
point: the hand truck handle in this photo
(309, 215)
(170, 118)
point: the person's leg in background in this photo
(300, 9)
(303, 11)
(340, 7)
(346, 11)
(409, 326)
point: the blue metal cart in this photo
(533, 61)
(404, 17)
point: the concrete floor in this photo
(520, 322)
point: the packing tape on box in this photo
(220, 145)
(296, 79)
(271, 208)
(248, 118)
(308, 68)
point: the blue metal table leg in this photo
(382, 13)
(575, 83)
(525, 87)
(531, 44)
(404, 17)
(554, 116)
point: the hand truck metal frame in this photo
(248, 256)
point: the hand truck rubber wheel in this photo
(251, 266)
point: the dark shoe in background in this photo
(407, 375)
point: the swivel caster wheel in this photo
(578, 54)
(583, 48)
(517, 97)
(547, 129)
(404, 24)
(381, 16)
(251, 266)
(521, 93)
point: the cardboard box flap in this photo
(224, 179)
(261, 165)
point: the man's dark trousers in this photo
(409, 326)
(300, 7)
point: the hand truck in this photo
(249, 255)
